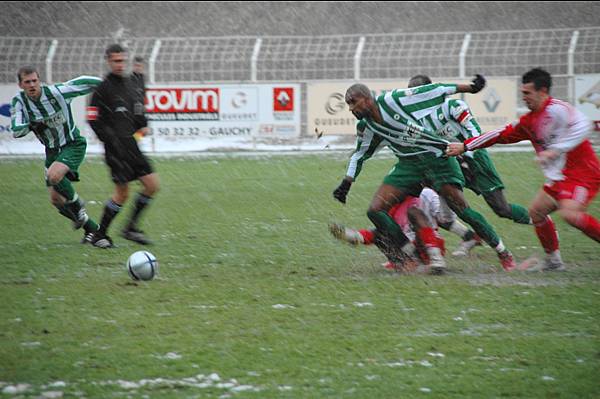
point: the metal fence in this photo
(398, 56)
(301, 58)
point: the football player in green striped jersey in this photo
(393, 120)
(45, 110)
(454, 121)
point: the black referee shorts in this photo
(126, 161)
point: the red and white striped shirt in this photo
(556, 126)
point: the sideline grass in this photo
(254, 299)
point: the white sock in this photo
(500, 247)
(458, 228)
(409, 249)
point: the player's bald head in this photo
(357, 90)
(419, 80)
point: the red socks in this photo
(589, 225)
(546, 232)
(368, 235)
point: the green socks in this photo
(519, 214)
(65, 188)
(481, 226)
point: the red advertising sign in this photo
(164, 104)
(283, 99)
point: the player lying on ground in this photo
(392, 120)
(419, 219)
(558, 132)
(45, 110)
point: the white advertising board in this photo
(587, 97)
(197, 117)
(187, 117)
(495, 106)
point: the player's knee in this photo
(536, 215)
(153, 189)
(151, 185)
(54, 178)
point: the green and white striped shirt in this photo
(53, 108)
(401, 130)
(453, 121)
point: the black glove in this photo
(341, 192)
(477, 84)
(38, 127)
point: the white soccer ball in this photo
(142, 265)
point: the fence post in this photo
(357, 55)
(152, 61)
(49, 58)
(571, 66)
(254, 60)
(462, 68)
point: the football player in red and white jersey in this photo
(559, 134)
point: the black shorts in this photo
(126, 162)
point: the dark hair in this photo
(419, 80)
(539, 78)
(139, 59)
(358, 89)
(26, 70)
(114, 48)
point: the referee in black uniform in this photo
(116, 113)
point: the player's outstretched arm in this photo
(476, 85)
(79, 86)
(455, 149)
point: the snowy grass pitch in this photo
(254, 299)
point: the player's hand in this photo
(141, 133)
(477, 84)
(341, 192)
(455, 149)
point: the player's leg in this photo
(448, 182)
(143, 199)
(457, 202)
(487, 181)
(497, 201)
(384, 199)
(350, 235)
(62, 167)
(112, 207)
(574, 213)
(404, 179)
(121, 175)
(144, 172)
(539, 210)
(427, 239)
(447, 220)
